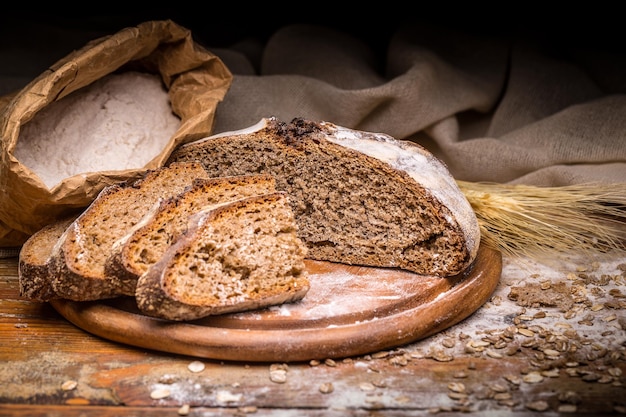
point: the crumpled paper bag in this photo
(196, 80)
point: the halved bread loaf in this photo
(237, 256)
(159, 228)
(358, 197)
(79, 257)
(34, 261)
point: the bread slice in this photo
(237, 256)
(159, 228)
(34, 261)
(79, 257)
(358, 197)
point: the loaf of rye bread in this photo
(79, 258)
(358, 197)
(159, 228)
(237, 256)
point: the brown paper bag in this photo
(196, 81)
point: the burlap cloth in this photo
(504, 109)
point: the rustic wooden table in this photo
(549, 341)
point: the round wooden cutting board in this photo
(348, 311)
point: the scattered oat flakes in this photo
(379, 384)
(497, 387)
(525, 332)
(457, 395)
(501, 396)
(330, 362)
(609, 318)
(20, 325)
(460, 374)
(69, 385)
(278, 375)
(160, 393)
(551, 373)
(567, 408)
(508, 403)
(401, 360)
(448, 342)
(326, 388)
(538, 405)
(196, 366)
(456, 387)
(416, 354)
(367, 386)
(493, 354)
(184, 410)
(532, 377)
(479, 343)
(442, 357)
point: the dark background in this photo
(47, 32)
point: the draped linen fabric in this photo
(502, 109)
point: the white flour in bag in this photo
(119, 122)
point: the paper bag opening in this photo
(195, 79)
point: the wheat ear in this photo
(539, 222)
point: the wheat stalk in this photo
(540, 222)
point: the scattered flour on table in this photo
(120, 121)
(329, 291)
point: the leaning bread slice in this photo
(34, 261)
(159, 228)
(236, 256)
(78, 259)
(358, 197)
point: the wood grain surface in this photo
(41, 353)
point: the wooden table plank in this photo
(40, 351)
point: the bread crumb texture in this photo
(240, 255)
(237, 256)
